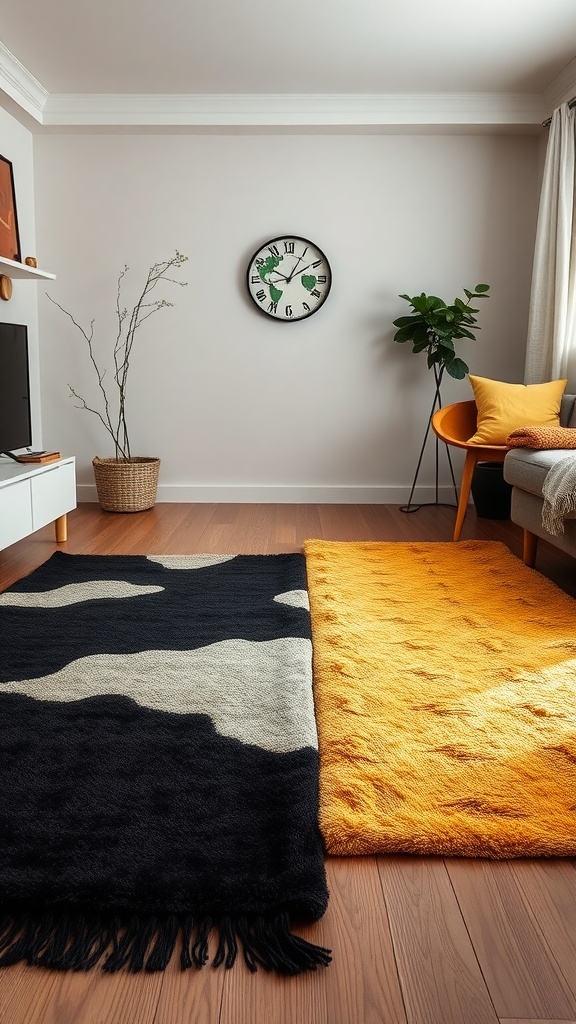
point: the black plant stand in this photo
(436, 404)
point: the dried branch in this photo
(106, 424)
(128, 324)
(100, 374)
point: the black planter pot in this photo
(490, 491)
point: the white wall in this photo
(243, 408)
(16, 144)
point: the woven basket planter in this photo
(126, 485)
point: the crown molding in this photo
(285, 111)
(433, 112)
(21, 86)
(562, 89)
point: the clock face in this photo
(289, 278)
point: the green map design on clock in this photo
(268, 266)
(308, 281)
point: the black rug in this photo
(158, 764)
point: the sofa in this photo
(526, 469)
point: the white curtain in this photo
(551, 345)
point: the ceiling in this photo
(296, 46)
(319, 47)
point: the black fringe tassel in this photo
(78, 942)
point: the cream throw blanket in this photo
(559, 491)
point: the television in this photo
(15, 419)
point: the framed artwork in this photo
(9, 236)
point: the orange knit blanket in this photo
(542, 437)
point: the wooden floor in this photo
(415, 940)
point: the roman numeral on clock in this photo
(261, 295)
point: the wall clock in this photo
(289, 278)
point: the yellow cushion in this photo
(503, 408)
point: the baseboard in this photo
(284, 495)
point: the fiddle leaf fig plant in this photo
(434, 326)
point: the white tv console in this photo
(33, 495)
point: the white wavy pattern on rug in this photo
(75, 593)
(294, 598)
(212, 680)
(189, 561)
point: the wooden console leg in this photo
(530, 546)
(61, 528)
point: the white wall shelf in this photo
(12, 268)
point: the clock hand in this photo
(299, 260)
(266, 274)
(301, 271)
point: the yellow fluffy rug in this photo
(445, 691)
